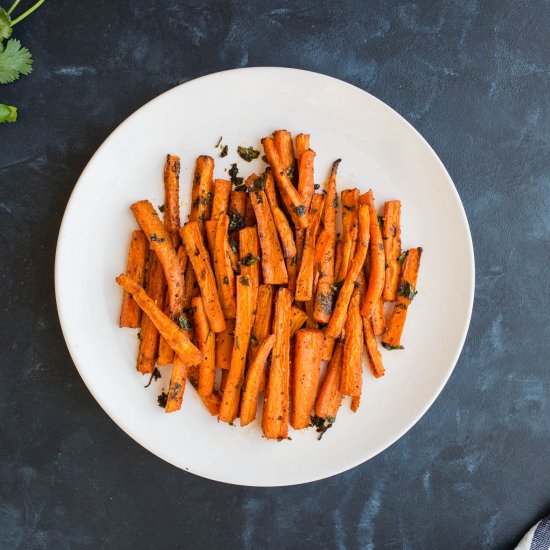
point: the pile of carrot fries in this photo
(250, 296)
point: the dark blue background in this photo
(473, 78)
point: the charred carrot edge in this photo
(250, 215)
(405, 294)
(306, 372)
(391, 234)
(201, 191)
(329, 397)
(285, 149)
(378, 318)
(355, 402)
(273, 264)
(306, 183)
(302, 145)
(249, 401)
(206, 342)
(328, 348)
(352, 356)
(373, 354)
(304, 282)
(172, 198)
(243, 327)
(325, 293)
(148, 334)
(338, 319)
(262, 325)
(289, 194)
(276, 402)
(130, 313)
(377, 260)
(220, 202)
(161, 244)
(191, 288)
(350, 226)
(225, 277)
(175, 337)
(224, 345)
(310, 308)
(249, 251)
(210, 230)
(298, 318)
(196, 250)
(176, 390)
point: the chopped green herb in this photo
(224, 151)
(380, 221)
(253, 340)
(299, 210)
(176, 391)
(349, 208)
(407, 290)
(219, 141)
(162, 399)
(185, 323)
(7, 113)
(321, 425)
(196, 203)
(380, 246)
(139, 335)
(155, 375)
(234, 245)
(291, 173)
(335, 202)
(248, 153)
(156, 239)
(249, 259)
(337, 286)
(400, 306)
(161, 208)
(207, 201)
(389, 347)
(402, 257)
(264, 158)
(233, 171)
(245, 281)
(236, 221)
(226, 280)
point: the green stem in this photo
(14, 5)
(28, 12)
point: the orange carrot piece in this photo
(302, 145)
(305, 376)
(224, 345)
(172, 198)
(378, 318)
(276, 402)
(292, 272)
(206, 342)
(352, 356)
(256, 370)
(243, 328)
(306, 183)
(130, 313)
(220, 203)
(355, 402)
(225, 277)
(339, 251)
(405, 294)
(350, 226)
(249, 251)
(262, 325)
(210, 230)
(161, 244)
(175, 337)
(250, 216)
(176, 390)
(328, 348)
(373, 354)
(311, 322)
(391, 234)
(201, 191)
(223, 381)
(194, 243)
(283, 143)
(298, 318)
(323, 243)
(329, 398)
(191, 288)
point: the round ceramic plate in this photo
(379, 149)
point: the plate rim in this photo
(351, 463)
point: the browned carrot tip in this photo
(201, 194)
(224, 345)
(177, 385)
(222, 192)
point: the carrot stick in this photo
(206, 343)
(305, 376)
(302, 144)
(289, 195)
(224, 345)
(243, 327)
(298, 318)
(176, 338)
(375, 358)
(350, 225)
(310, 308)
(352, 356)
(338, 319)
(210, 230)
(191, 288)
(328, 348)
(250, 216)
(225, 374)
(148, 334)
(177, 385)
(222, 192)
(194, 243)
(338, 257)
(292, 272)
(160, 242)
(306, 184)
(405, 295)
(304, 282)
(249, 261)
(201, 192)
(225, 277)
(329, 398)
(130, 314)
(237, 207)
(355, 401)
(254, 377)
(323, 242)
(283, 144)
(325, 293)
(378, 318)
(377, 261)
(273, 264)
(391, 234)
(262, 325)
(172, 198)
(276, 402)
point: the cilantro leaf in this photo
(7, 113)
(5, 24)
(14, 61)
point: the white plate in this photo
(379, 150)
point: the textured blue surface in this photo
(473, 77)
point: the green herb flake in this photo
(325, 301)
(380, 221)
(316, 186)
(389, 347)
(196, 203)
(299, 210)
(253, 340)
(245, 281)
(7, 113)
(226, 280)
(290, 172)
(156, 239)
(224, 151)
(236, 221)
(337, 286)
(161, 208)
(15, 60)
(248, 153)
(407, 291)
(402, 257)
(219, 141)
(234, 245)
(162, 399)
(241, 187)
(249, 259)
(380, 246)
(264, 158)
(335, 202)
(185, 324)
(321, 425)
(175, 391)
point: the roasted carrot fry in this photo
(375, 358)
(161, 244)
(210, 230)
(222, 192)
(292, 272)
(262, 325)
(276, 403)
(130, 313)
(224, 345)
(243, 327)
(338, 257)
(177, 385)
(377, 261)
(250, 216)
(310, 308)
(350, 225)
(305, 376)
(325, 293)
(194, 243)
(328, 348)
(289, 195)
(249, 261)
(175, 337)
(378, 318)
(172, 198)
(223, 381)
(323, 242)
(249, 401)
(283, 143)
(338, 319)
(148, 334)
(302, 144)
(405, 295)
(191, 288)
(352, 356)
(225, 278)
(207, 345)
(355, 402)
(273, 264)
(329, 398)
(391, 234)
(237, 205)
(201, 193)
(306, 184)
(304, 282)
(298, 317)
